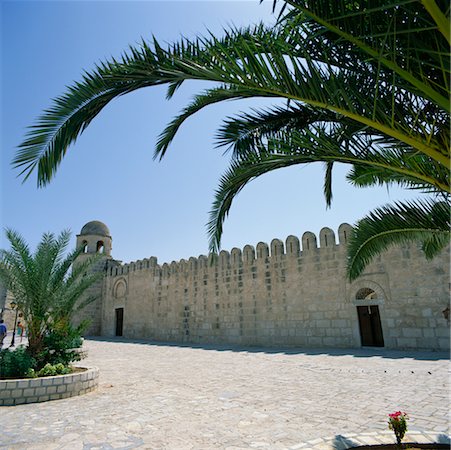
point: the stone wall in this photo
(283, 294)
(35, 390)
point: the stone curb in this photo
(36, 390)
(345, 442)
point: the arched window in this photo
(100, 247)
(85, 246)
(366, 294)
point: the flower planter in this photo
(35, 390)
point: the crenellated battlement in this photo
(276, 250)
(291, 292)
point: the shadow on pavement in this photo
(354, 352)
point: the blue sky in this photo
(152, 208)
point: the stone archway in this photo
(119, 294)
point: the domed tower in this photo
(95, 238)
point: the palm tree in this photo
(361, 83)
(45, 285)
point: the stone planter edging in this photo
(35, 390)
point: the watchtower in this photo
(94, 238)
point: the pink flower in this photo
(397, 415)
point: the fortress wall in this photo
(414, 293)
(283, 293)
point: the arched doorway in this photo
(119, 321)
(369, 319)
(119, 294)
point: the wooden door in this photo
(370, 326)
(119, 321)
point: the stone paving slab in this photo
(157, 396)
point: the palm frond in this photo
(314, 145)
(200, 101)
(263, 61)
(427, 222)
(248, 131)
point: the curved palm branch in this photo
(262, 61)
(248, 132)
(409, 37)
(200, 101)
(319, 145)
(426, 222)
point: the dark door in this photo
(119, 321)
(370, 326)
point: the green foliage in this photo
(46, 285)
(62, 345)
(365, 83)
(52, 370)
(426, 222)
(31, 373)
(17, 363)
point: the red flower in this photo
(396, 415)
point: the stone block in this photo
(407, 342)
(339, 323)
(394, 332)
(75, 387)
(6, 393)
(23, 384)
(51, 389)
(428, 332)
(7, 402)
(61, 388)
(44, 398)
(47, 381)
(331, 341)
(315, 341)
(412, 332)
(40, 391)
(55, 396)
(11, 385)
(68, 379)
(442, 332)
(32, 399)
(36, 382)
(427, 342)
(28, 392)
(16, 393)
(57, 381)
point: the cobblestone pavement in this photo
(156, 396)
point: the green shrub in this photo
(62, 346)
(16, 363)
(31, 373)
(51, 370)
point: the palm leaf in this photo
(424, 221)
(262, 61)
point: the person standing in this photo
(20, 330)
(3, 332)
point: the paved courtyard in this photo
(156, 396)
